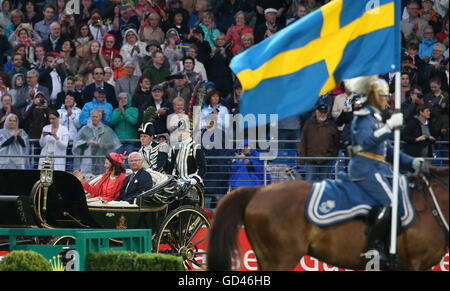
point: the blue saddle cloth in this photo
(336, 201)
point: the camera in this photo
(42, 101)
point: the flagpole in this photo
(393, 244)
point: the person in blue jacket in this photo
(99, 102)
(244, 171)
(370, 166)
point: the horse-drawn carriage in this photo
(173, 210)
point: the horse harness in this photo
(433, 203)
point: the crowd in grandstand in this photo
(90, 76)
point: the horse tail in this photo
(228, 218)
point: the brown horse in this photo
(280, 234)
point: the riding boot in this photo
(378, 233)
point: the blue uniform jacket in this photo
(363, 129)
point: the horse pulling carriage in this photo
(171, 209)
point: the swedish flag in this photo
(286, 73)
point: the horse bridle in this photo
(434, 204)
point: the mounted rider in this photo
(370, 166)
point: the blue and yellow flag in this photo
(286, 73)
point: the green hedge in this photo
(21, 260)
(132, 261)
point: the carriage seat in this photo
(157, 178)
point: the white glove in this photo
(193, 181)
(395, 121)
(419, 165)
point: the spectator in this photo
(24, 98)
(69, 116)
(300, 12)
(155, 155)
(199, 66)
(245, 171)
(344, 121)
(414, 26)
(279, 8)
(18, 65)
(36, 115)
(99, 103)
(197, 13)
(405, 88)
(93, 58)
(5, 14)
(192, 78)
(143, 95)
(269, 27)
(171, 51)
(123, 121)
(96, 26)
(151, 30)
(108, 187)
(437, 101)
(54, 41)
(179, 88)
(94, 139)
(235, 32)
(129, 82)
(8, 108)
(67, 58)
(215, 113)
(69, 25)
(178, 23)
(118, 68)
(342, 102)
(18, 49)
(157, 71)
(163, 109)
(18, 87)
(133, 48)
(427, 44)
(39, 55)
(173, 9)
(87, 6)
(137, 182)
(17, 18)
(13, 141)
(197, 36)
(69, 87)
(210, 31)
(413, 99)
(248, 40)
(89, 90)
(442, 36)
(436, 65)
(30, 13)
(109, 50)
(109, 76)
(24, 34)
(5, 46)
(54, 140)
(52, 77)
(125, 22)
(319, 138)
(174, 119)
(83, 41)
(219, 71)
(419, 134)
(428, 13)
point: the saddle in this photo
(335, 201)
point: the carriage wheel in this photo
(183, 233)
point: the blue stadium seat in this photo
(437, 163)
(286, 153)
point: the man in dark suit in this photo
(88, 91)
(137, 182)
(54, 41)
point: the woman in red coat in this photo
(235, 32)
(109, 48)
(109, 185)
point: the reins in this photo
(433, 204)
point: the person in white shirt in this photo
(69, 115)
(215, 112)
(54, 140)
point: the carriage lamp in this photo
(46, 179)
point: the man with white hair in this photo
(54, 41)
(137, 182)
(129, 82)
